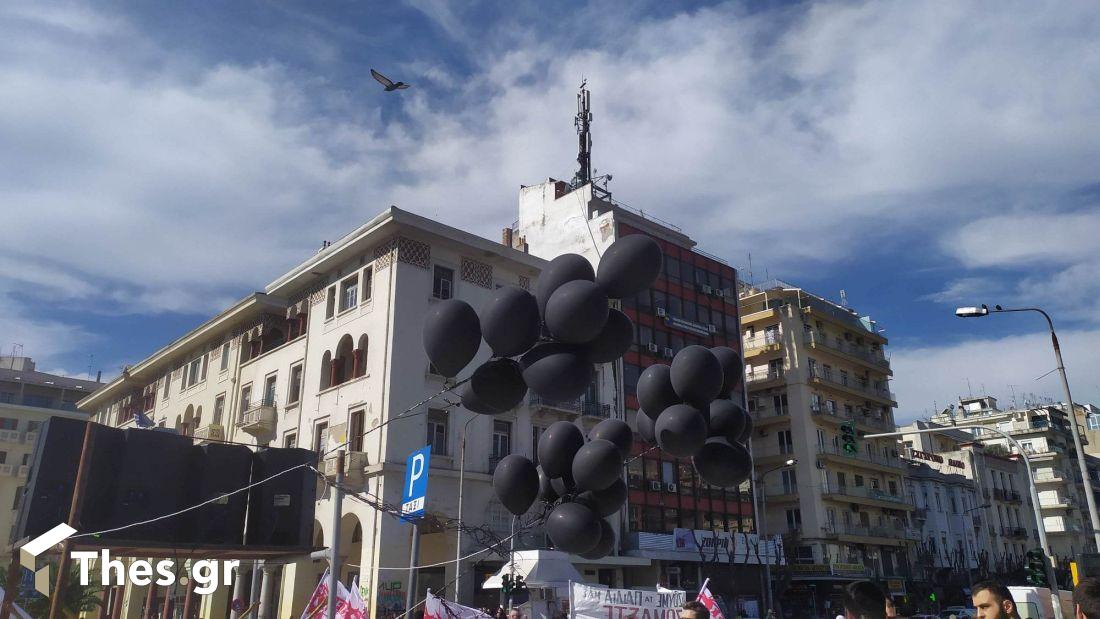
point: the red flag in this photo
(318, 602)
(706, 598)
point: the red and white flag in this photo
(318, 602)
(353, 607)
(436, 607)
(706, 598)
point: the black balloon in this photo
(516, 483)
(655, 392)
(746, 432)
(473, 403)
(510, 321)
(605, 545)
(557, 372)
(557, 446)
(681, 430)
(577, 312)
(573, 528)
(614, 340)
(722, 463)
(564, 268)
(629, 266)
(646, 430)
(597, 465)
(452, 335)
(696, 376)
(546, 490)
(499, 384)
(733, 368)
(615, 430)
(607, 501)
(727, 420)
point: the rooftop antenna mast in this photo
(583, 123)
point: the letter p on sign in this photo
(415, 490)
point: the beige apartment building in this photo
(27, 399)
(818, 381)
(1044, 434)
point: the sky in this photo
(160, 160)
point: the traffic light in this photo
(932, 597)
(848, 437)
(1036, 568)
(512, 584)
(506, 584)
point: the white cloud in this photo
(935, 376)
(1026, 239)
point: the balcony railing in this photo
(259, 418)
(1061, 526)
(1057, 501)
(848, 348)
(210, 432)
(29, 438)
(764, 375)
(876, 531)
(865, 493)
(580, 406)
(761, 340)
(355, 467)
(1045, 476)
(864, 418)
(10, 436)
(1016, 532)
(852, 384)
(7, 470)
(763, 413)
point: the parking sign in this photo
(415, 490)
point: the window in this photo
(330, 302)
(167, 383)
(790, 481)
(368, 283)
(7, 423)
(219, 408)
(194, 372)
(502, 438)
(3, 457)
(349, 293)
(355, 431)
(290, 441)
(858, 481)
(295, 390)
(794, 521)
(437, 431)
(443, 283)
(18, 497)
(1092, 422)
(246, 397)
(786, 443)
(225, 357)
(269, 390)
(320, 437)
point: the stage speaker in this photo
(215, 470)
(151, 482)
(281, 511)
(48, 495)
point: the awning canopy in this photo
(540, 569)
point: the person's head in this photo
(513, 613)
(1086, 598)
(694, 610)
(992, 600)
(891, 610)
(864, 600)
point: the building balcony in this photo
(580, 406)
(259, 419)
(874, 424)
(867, 534)
(1014, 532)
(210, 432)
(1049, 451)
(769, 315)
(1061, 527)
(862, 458)
(10, 436)
(1059, 501)
(8, 470)
(30, 438)
(1045, 477)
(866, 495)
(766, 377)
(23, 471)
(355, 467)
(778, 492)
(1011, 496)
(764, 415)
(761, 343)
(852, 386)
(849, 351)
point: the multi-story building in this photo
(817, 379)
(27, 399)
(322, 356)
(692, 302)
(1044, 434)
(947, 509)
(1002, 517)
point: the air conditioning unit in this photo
(668, 352)
(670, 487)
(655, 486)
(662, 312)
(653, 348)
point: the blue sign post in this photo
(415, 491)
(413, 496)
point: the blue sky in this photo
(158, 161)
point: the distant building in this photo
(27, 399)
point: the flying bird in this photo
(387, 82)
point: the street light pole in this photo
(966, 545)
(1094, 515)
(458, 532)
(762, 526)
(1051, 578)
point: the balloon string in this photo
(639, 455)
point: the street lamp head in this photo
(972, 312)
(790, 462)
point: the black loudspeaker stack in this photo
(138, 475)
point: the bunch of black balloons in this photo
(548, 341)
(580, 481)
(687, 411)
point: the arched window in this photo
(326, 373)
(342, 362)
(359, 365)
